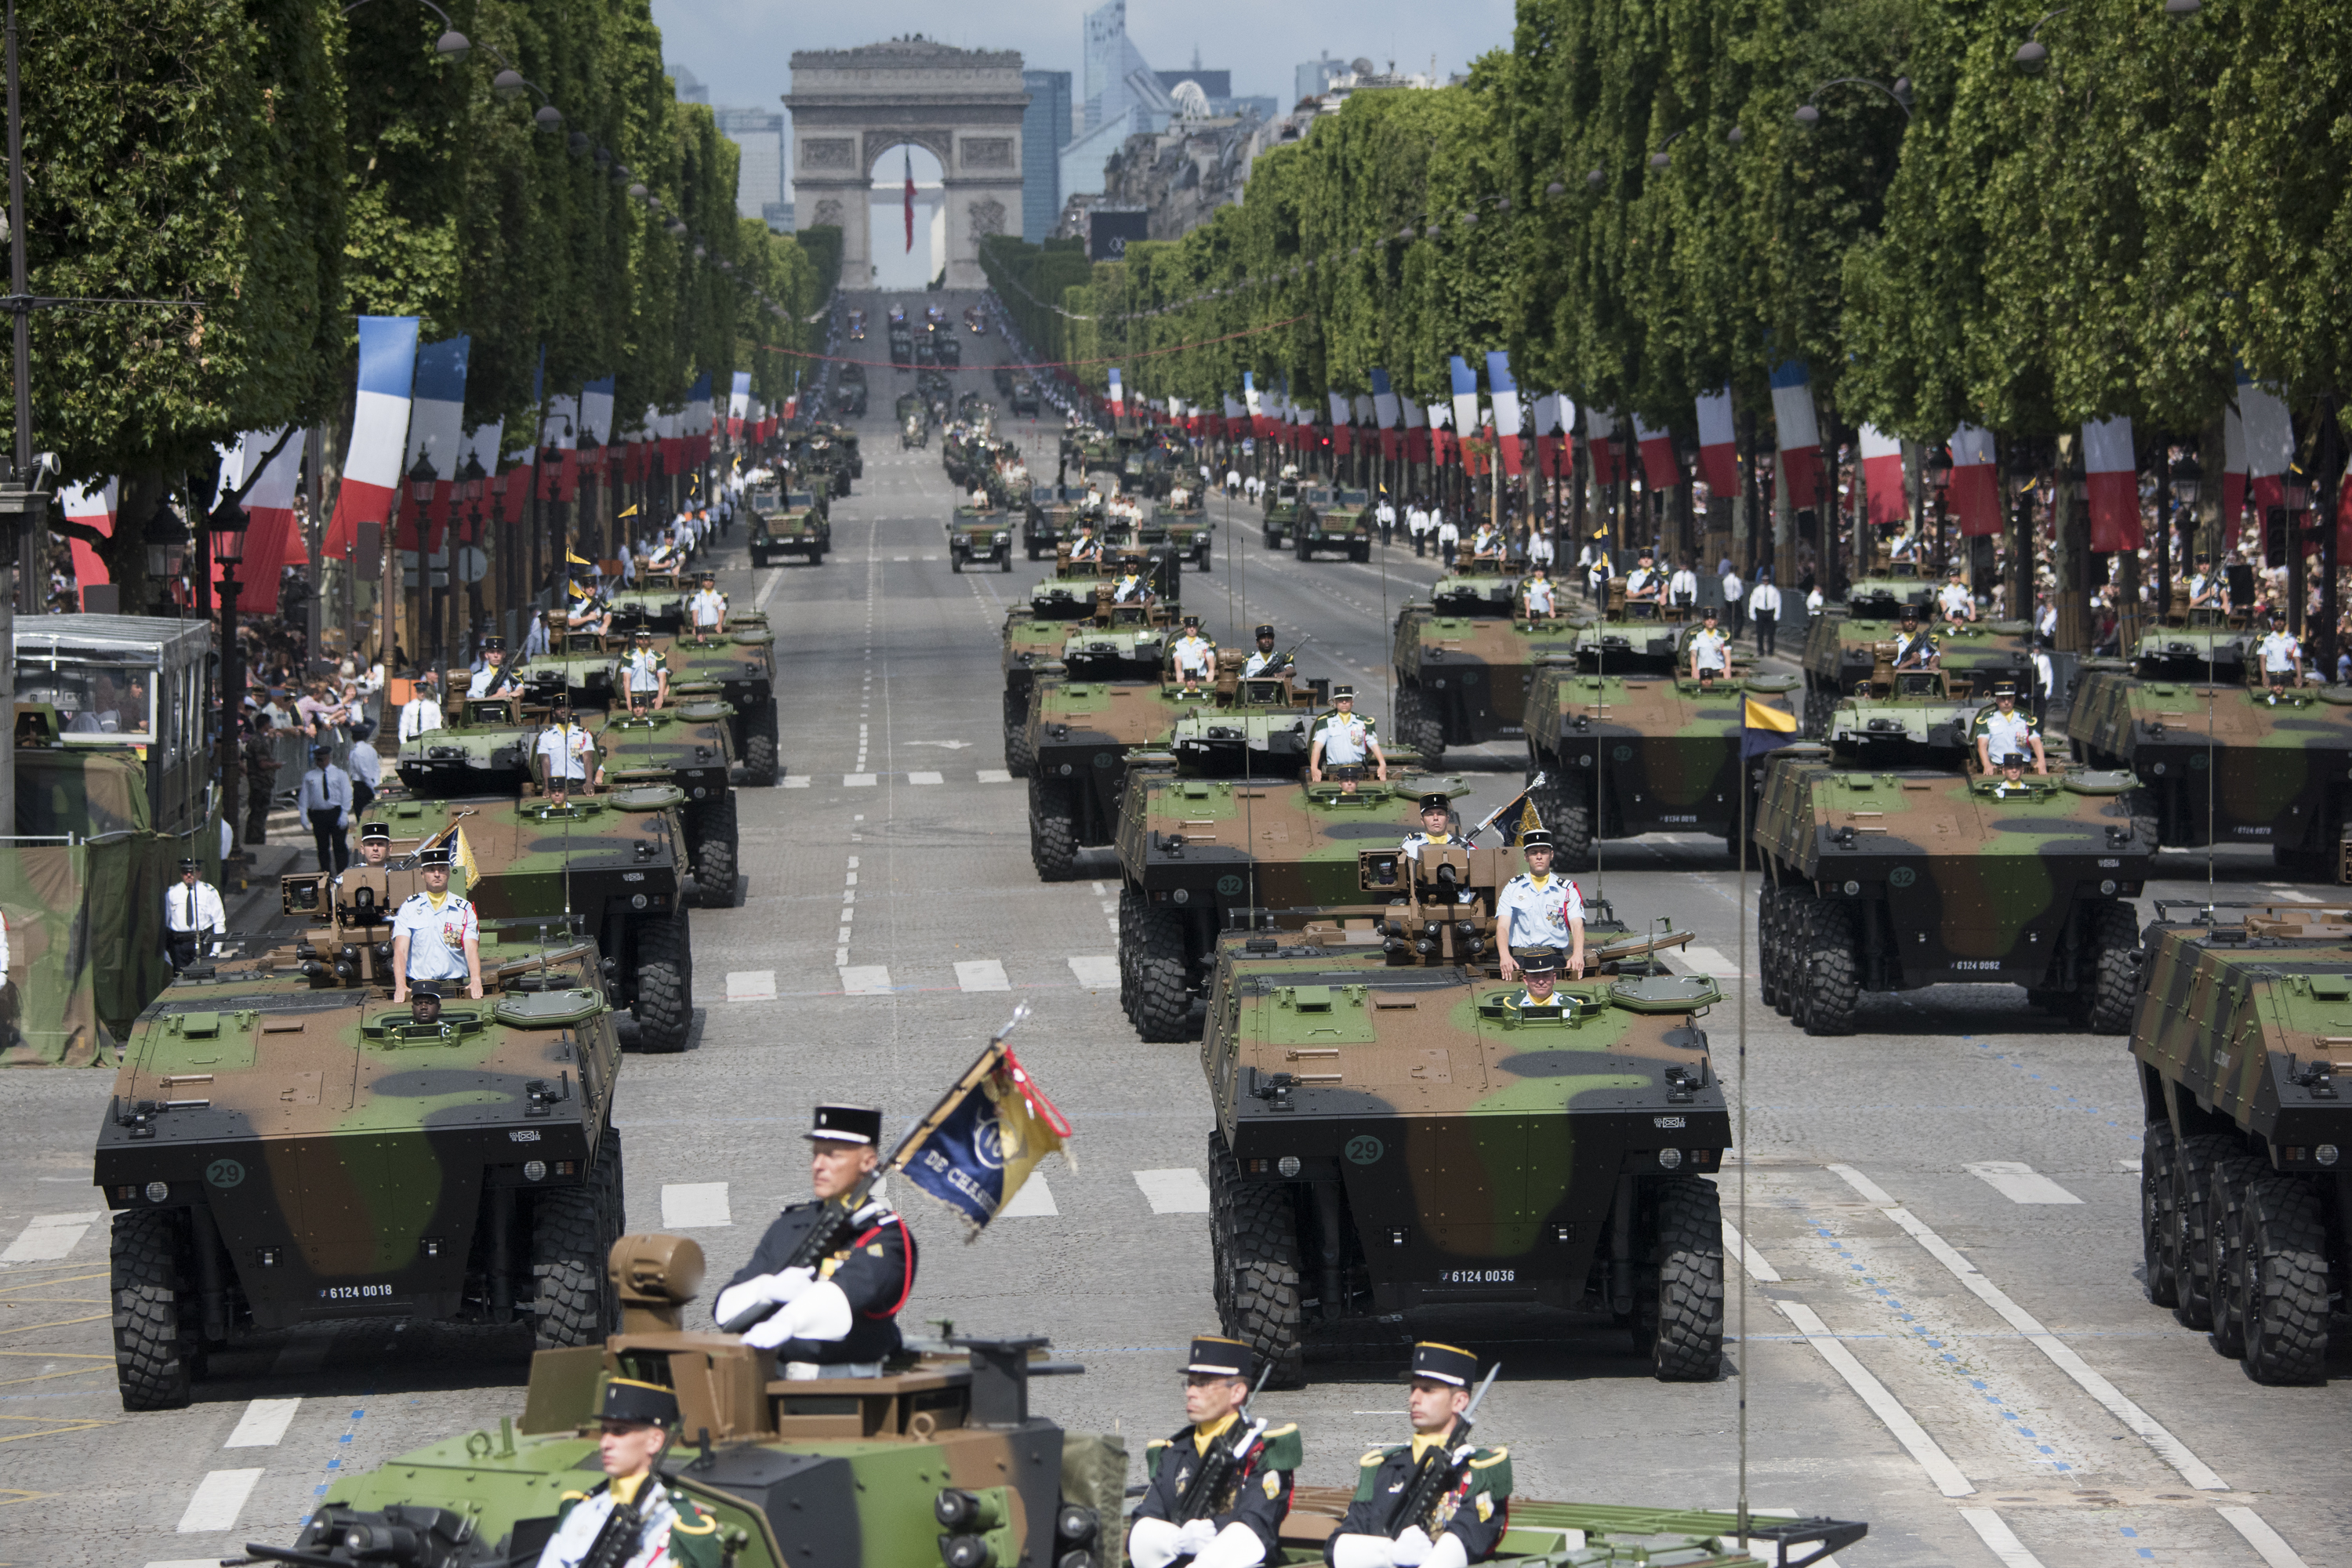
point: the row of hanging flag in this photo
(2258, 433)
(410, 411)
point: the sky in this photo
(743, 48)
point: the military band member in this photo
(1536, 592)
(436, 936)
(1540, 912)
(1915, 648)
(707, 608)
(2005, 730)
(191, 909)
(1343, 742)
(839, 1319)
(1709, 653)
(494, 659)
(1473, 1511)
(670, 1527)
(1239, 1530)
(564, 751)
(645, 673)
(1194, 656)
(1267, 660)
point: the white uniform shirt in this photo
(326, 788)
(1259, 663)
(417, 715)
(644, 667)
(1536, 914)
(1764, 601)
(436, 937)
(1681, 588)
(1129, 589)
(480, 685)
(1194, 654)
(1448, 531)
(570, 1544)
(1540, 550)
(366, 767)
(1346, 738)
(708, 607)
(1641, 580)
(566, 747)
(1956, 599)
(1385, 515)
(196, 909)
(2045, 676)
(1539, 595)
(2008, 735)
(1813, 603)
(1706, 649)
(2280, 651)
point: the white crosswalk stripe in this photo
(797, 780)
(1179, 1191)
(49, 1236)
(1097, 972)
(220, 1497)
(264, 1424)
(864, 979)
(980, 975)
(1034, 1201)
(2020, 1183)
(751, 985)
(995, 776)
(926, 778)
(689, 1205)
(857, 780)
(1707, 961)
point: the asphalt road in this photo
(1968, 1365)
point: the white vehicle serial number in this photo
(524, 1135)
(1478, 1276)
(352, 1292)
(1976, 963)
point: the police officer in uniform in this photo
(841, 1318)
(2005, 730)
(1473, 1511)
(1194, 656)
(437, 939)
(707, 608)
(1267, 660)
(1343, 742)
(645, 674)
(494, 659)
(1539, 911)
(1239, 1530)
(670, 1527)
(372, 871)
(1915, 648)
(191, 909)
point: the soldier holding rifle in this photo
(1221, 1486)
(1439, 1500)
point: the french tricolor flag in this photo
(2270, 441)
(1506, 408)
(1118, 394)
(2111, 475)
(1465, 398)
(272, 541)
(1554, 452)
(1261, 422)
(1800, 432)
(1657, 448)
(1343, 435)
(696, 428)
(436, 419)
(1384, 415)
(378, 429)
(1882, 475)
(1416, 432)
(1718, 443)
(94, 508)
(1976, 483)
(739, 404)
(1600, 438)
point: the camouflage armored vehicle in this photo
(1188, 530)
(612, 866)
(688, 747)
(1842, 649)
(1038, 634)
(1283, 499)
(1377, 1049)
(977, 535)
(820, 461)
(788, 524)
(850, 397)
(1465, 660)
(1049, 518)
(2242, 1223)
(1890, 865)
(486, 746)
(739, 670)
(938, 1459)
(1198, 857)
(2228, 764)
(584, 667)
(1083, 733)
(657, 599)
(285, 1145)
(1334, 519)
(1654, 752)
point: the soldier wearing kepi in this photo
(191, 909)
(494, 660)
(1539, 970)
(372, 871)
(1267, 660)
(840, 1316)
(649, 1522)
(1436, 826)
(1246, 1468)
(707, 608)
(1470, 1508)
(1342, 742)
(437, 939)
(1541, 913)
(2005, 730)
(1195, 657)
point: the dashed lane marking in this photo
(1707, 961)
(980, 975)
(797, 780)
(220, 1497)
(2019, 1182)
(264, 1424)
(858, 781)
(694, 1205)
(47, 1238)
(995, 776)
(1097, 973)
(751, 985)
(1179, 1191)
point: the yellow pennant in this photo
(576, 560)
(629, 511)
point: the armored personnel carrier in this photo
(1283, 499)
(657, 599)
(688, 747)
(938, 1459)
(979, 535)
(1889, 864)
(1332, 519)
(1082, 735)
(2224, 762)
(1465, 660)
(788, 522)
(1036, 634)
(1200, 856)
(739, 670)
(486, 746)
(1353, 1062)
(2242, 1222)
(585, 668)
(1049, 517)
(1188, 530)
(1844, 644)
(285, 1145)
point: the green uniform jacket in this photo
(693, 1534)
(1258, 1496)
(1476, 1506)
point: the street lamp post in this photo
(226, 527)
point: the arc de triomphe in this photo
(849, 106)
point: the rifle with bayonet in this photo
(1438, 1466)
(1513, 804)
(1228, 1453)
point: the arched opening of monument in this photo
(896, 264)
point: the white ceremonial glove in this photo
(784, 1285)
(1412, 1548)
(1363, 1552)
(819, 1312)
(1449, 1553)
(1152, 1543)
(1194, 1534)
(1236, 1546)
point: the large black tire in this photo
(1018, 757)
(1769, 908)
(955, 562)
(1254, 1253)
(1130, 946)
(2110, 968)
(1163, 998)
(1571, 833)
(1200, 558)
(2281, 1308)
(571, 1299)
(665, 972)
(155, 1343)
(2232, 1174)
(1680, 1300)
(2160, 1264)
(1005, 561)
(1830, 980)
(2192, 1191)
(1361, 553)
(714, 834)
(1053, 830)
(760, 748)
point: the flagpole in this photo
(989, 1054)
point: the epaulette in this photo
(687, 1507)
(1282, 1448)
(1486, 1458)
(1378, 1457)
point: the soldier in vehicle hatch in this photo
(2005, 730)
(1467, 1519)
(436, 936)
(372, 871)
(1267, 660)
(1237, 1525)
(1540, 971)
(1710, 653)
(651, 1520)
(1537, 595)
(840, 1318)
(1436, 827)
(1915, 648)
(1646, 589)
(2012, 776)
(1194, 656)
(1343, 742)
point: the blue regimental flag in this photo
(1763, 729)
(984, 1139)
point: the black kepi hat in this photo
(626, 1399)
(1214, 1355)
(1264, 631)
(437, 855)
(1444, 1363)
(374, 833)
(1541, 960)
(1347, 691)
(1535, 838)
(188, 865)
(846, 1124)
(494, 645)
(2016, 760)
(1436, 800)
